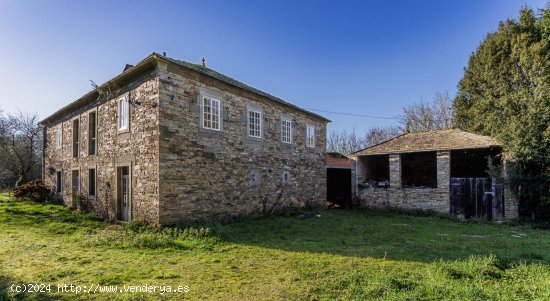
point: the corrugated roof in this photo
(195, 67)
(430, 141)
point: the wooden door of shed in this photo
(480, 198)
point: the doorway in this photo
(479, 198)
(123, 193)
(339, 186)
(75, 190)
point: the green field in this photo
(343, 255)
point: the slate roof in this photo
(228, 80)
(450, 139)
(88, 98)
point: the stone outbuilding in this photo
(447, 171)
(167, 141)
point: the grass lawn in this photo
(344, 255)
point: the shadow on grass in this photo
(392, 235)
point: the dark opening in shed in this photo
(339, 186)
(377, 169)
(473, 163)
(419, 169)
(339, 172)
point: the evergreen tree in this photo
(505, 93)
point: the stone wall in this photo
(137, 148)
(207, 174)
(395, 195)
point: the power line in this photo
(351, 114)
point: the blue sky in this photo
(360, 57)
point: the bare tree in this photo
(20, 148)
(348, 142)
(428, 116)
(378, 135)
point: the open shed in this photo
(340, 179)
(446, 171)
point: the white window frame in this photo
(59, 137)
(211, 119)
(310, 136)
(286, 130)
(286, 177)
(123, 114)
(254, 129)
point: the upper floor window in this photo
(123, 114)
(92, 133)
(254, 123)
(76, 138)
(286, 130)
(211, 111)
(310, 136)
(59, 136)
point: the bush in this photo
(36, 191)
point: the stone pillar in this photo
(395, 171)
(443, 170)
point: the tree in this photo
(428, 116)
(20, 148)
(378, 135)
(505, 93)
(348, 142)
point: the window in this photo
(59, 136)
(91, 182)
(254, 178)
(211, 111)
(92, 132)
(286, 131)
(286, 177)
(58, 183)
(76, 138)
(310, 136)
(123, 114)
(254, 124)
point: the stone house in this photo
(167, 142)
(446, 171)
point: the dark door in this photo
(75, 187)
(480, 198)
(123, 193)
(339, 186)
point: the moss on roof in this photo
(449, 139)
